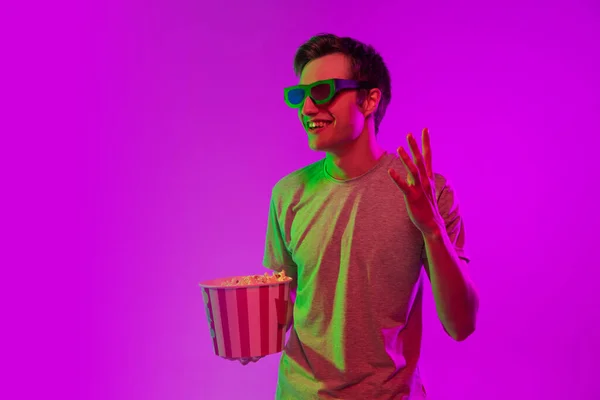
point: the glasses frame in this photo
(335, 86)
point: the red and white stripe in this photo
(247, 322)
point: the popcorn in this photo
(257, 279)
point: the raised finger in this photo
(417, 156)
(410, 165)
(427, 152)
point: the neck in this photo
(355, 158)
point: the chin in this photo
(328, 144)
(319, 145)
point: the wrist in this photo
(435, 233)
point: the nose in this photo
(309, 107)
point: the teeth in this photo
(317, 124)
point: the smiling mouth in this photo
(316, 125)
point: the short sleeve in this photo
(449, 208)
(277, 256)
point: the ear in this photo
(371, 102)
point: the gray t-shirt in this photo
(358, 264)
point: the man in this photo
(355, 231)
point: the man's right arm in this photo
(278, 258)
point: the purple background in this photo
(141, 141)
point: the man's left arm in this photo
(456, 299)
(434, 211)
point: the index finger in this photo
(427, 152)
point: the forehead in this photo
(327, 67)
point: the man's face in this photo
(345, 117)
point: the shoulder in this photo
(298, 180)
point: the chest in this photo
(355, 237)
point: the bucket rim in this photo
(216, 283)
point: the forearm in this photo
(290, 308)
(455, 296)
(290, 315)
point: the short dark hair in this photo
(366, 65)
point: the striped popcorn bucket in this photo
(246, 321)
